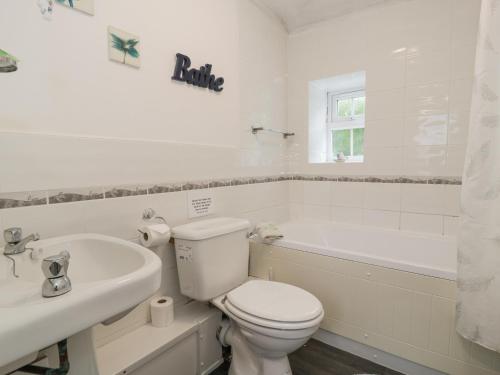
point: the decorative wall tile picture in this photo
(86, 6)
(46, 8)
(8, 63)
(124, 47)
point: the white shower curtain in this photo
(478, 303)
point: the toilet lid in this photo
(275, 301)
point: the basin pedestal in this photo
(81, 354)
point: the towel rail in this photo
(256, 129)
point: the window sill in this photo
(339, 162)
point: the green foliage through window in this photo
(341, 142)
(358, 136)
(344, 108)
(348, 141)
(350, 107)
(359, 106)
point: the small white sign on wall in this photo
(200, 203)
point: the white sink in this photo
(108, 275)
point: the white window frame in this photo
(333, 122)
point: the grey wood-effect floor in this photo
(316, 358)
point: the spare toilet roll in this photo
(162, 311)
(154, 235)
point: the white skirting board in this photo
(375, 355)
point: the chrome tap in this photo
(15, 243)
(55, 269)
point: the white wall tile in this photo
(463, 58)
(458, 127)
(317, 192)
(465, 19)
(382, 219)
(386, 132)
(351, 215)
(422, 198)
(452, 200)
(424, 161)
(316, 212)
(428, 62)
(48, 221)
(385, 74)
(455, 158)
(383, 104)
(422, 223)
(296, 191)
(461, 94)
(275, 214)
(426, 130)
(382, 196)
(224, 201)
(437, 41)
(244, 199)
(348, 194)
(450, 225)
(383, 160)
(296, 211)
(429, 99)
(118, 217)
(429, 20)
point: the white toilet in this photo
(268, 320)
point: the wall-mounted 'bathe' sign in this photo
(201, 77)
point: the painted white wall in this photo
(70, 117)
(418, 57)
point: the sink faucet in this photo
(15, 243)
(55, 269)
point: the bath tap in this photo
(15, 243)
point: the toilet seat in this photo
(274, 305)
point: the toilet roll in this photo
(162, 311)
(154, 235)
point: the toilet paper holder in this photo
(149, 214)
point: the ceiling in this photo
(297, 14)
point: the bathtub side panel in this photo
(405, 314)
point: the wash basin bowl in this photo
(108, 276)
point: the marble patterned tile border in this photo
(381, 179)
(74, 195)
(23, 199)
(40, 198)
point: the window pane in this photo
(359, 106)
(344, 107)
(341, 140)
(359, 138)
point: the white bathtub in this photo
(426, 254)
